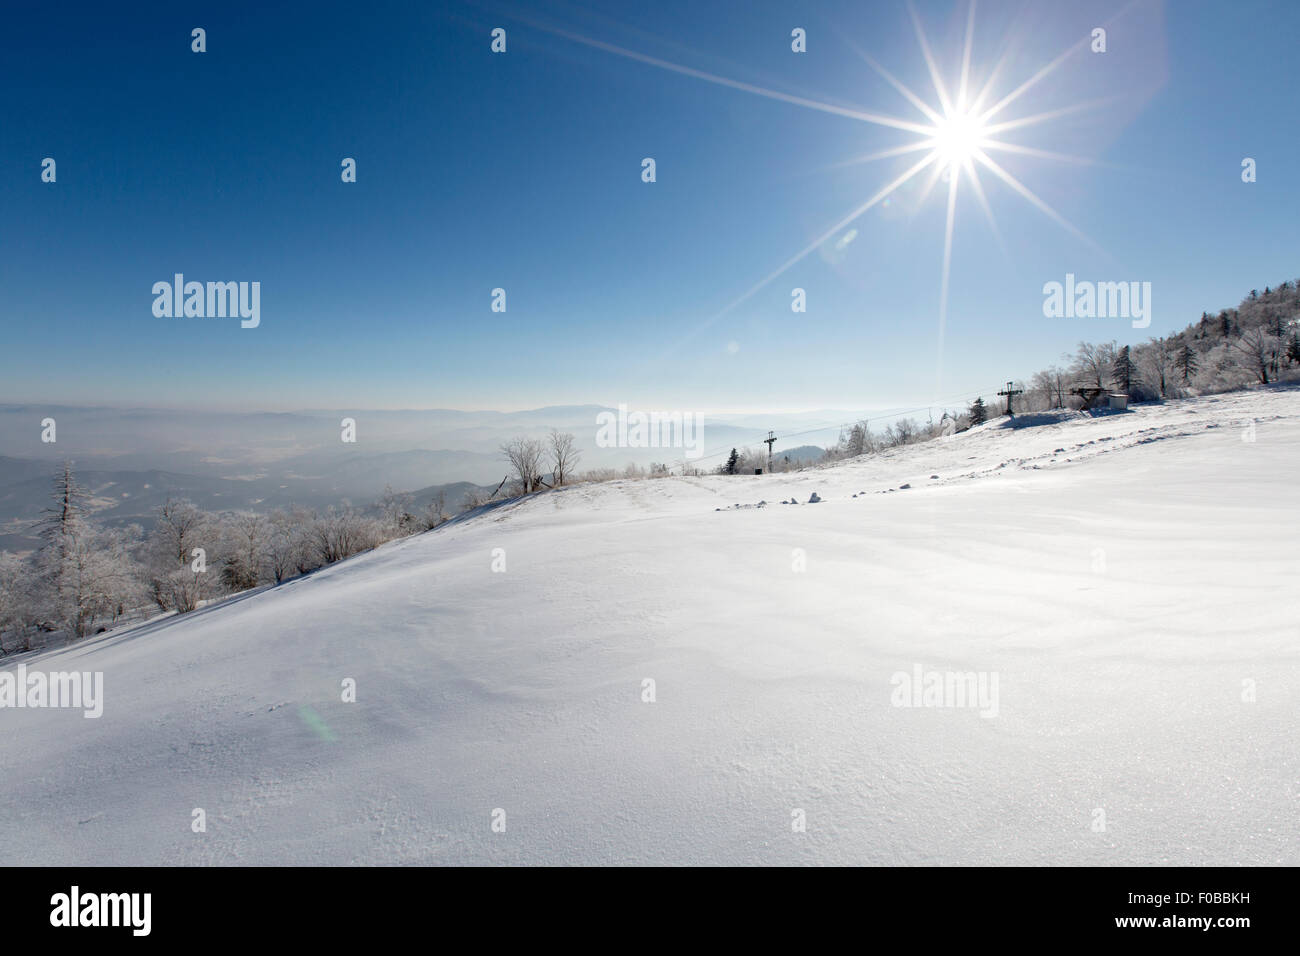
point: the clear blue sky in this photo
(523, 171)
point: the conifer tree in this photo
(1121, 373)
(1293, 348)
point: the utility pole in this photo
(1009, 391)
(768, 441)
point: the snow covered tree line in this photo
(1256, 343)
(859, 439)
(85, 576)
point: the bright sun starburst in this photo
(956, 137)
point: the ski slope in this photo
(1125, 577)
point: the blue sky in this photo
(523, 171)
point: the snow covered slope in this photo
(1129, 580)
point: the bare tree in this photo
(524, 456)
(396, 511)
(1093, 363)
(247, 540)
(1047, 389)
(341, 533)
(282, 545)
(178, 547)
(66, 514)
(18, 600)
(100, 579)
(564, 457)
(304, 531)
(1156, 363)
(1257, 349)
(905, 431)
(858, 440)
(434, 513)
(63, 522)
(1058, 378)
(1041, 393)
(180, 528)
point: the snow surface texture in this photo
(1123, 576)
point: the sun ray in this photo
(876, 118)
(965, 58)
(978, 188)
(947, 269)
(882, 154)
(1024, 191)
(935, 78)
(1050, 115)
(1038, 153)
(896, 83)
(987, 88)
(939, 168)
(1029, 83)
(880, 196)
(1033, 80)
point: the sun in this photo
(955, 138)
(958, 138)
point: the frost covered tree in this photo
(303, 525)
(18, 593)
(1256, 350)
(905, 431)
(287, 551)
(564, 456)
(181, 527)
(524, 455)
(1093, 363)
(340, 533)
(82, 573)
(434, 513)
(395, 513)
(99, 579)
(178, 554)
(1050, 386)
(978, 413)
(858, 440)
(1155, 363)
(246, 539)
(62, 559)
(1040, 394)
(62, 519)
